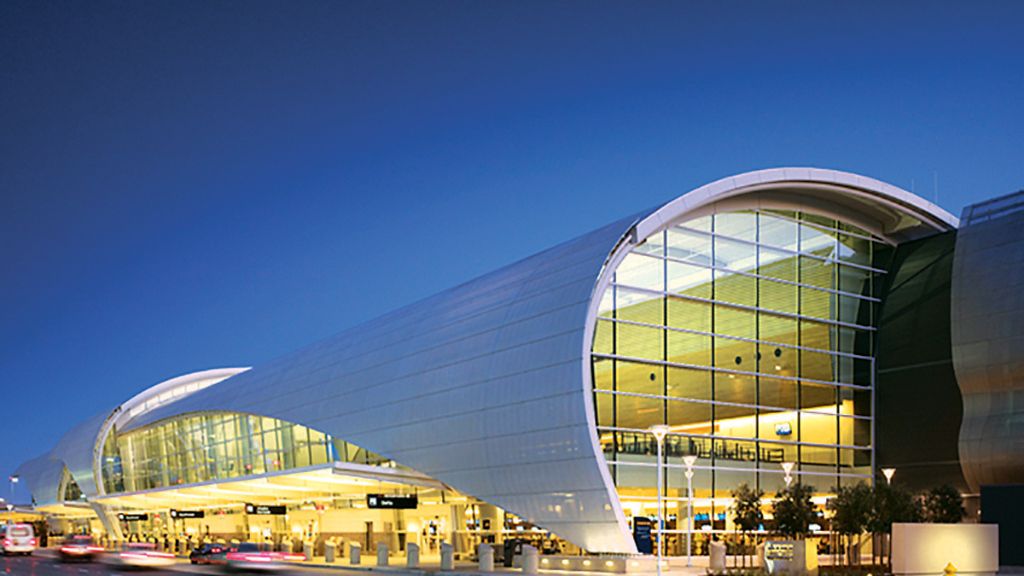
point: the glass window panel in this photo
(777, 264)
(814, 272)
(641, 271)
(603, 333)
(741, 225)
(854, 250)
(818, 366)
(686, 383)
(778, 296)
(818, 428)
(780, 329)
(689, 246)
(639, 341)
(819, 397)
(653, 245)
(737, 322)
(637, 306)
(638, 413)
(734, 453)
(605, 409)
(774, 454)
(736, 289)
(607, 306)
(778, 393)
(737, 388)
(639, 378)
(689, 314)
(603, 375)
(735, 255)
(687, 348)
(689, 280)
(690, 417)
(778, 230)
(736, 355)
(817, 304)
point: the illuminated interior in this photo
(749, 334)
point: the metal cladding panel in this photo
(988, 344)
(42, 478)
(480, 387)
(75, 449)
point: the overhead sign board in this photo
(397, 502)
(265, 510)
(130, 517)
(187, 514)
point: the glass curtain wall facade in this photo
(750, 335)
(217, 446)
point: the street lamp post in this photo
(688, 461)
(659, 431)
(14, 480)
(787, 467)
(888, 472)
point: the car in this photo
(17, 539)
(79, 548)
(248, 557)
(208, 554)
(144, 555)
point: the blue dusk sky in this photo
(197, 184)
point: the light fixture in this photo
(787, 467)
(688, 461)
(660, 431)
(888, 473)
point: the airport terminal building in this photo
(813, 318)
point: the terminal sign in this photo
(778, 550)
(399, 502)
(260, 510)
(132, 517)
(187, 514)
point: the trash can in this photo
(382, 554)
(412, 555)
(329, 551)
(447, 557)
(485, 557)
(355, 553)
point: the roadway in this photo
(46, 564)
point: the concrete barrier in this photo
(929, 548)
(447, 557)
(307, 550)
(329, 552)
(382, 554)
(412, 556)
(485, 557)
(531, 562)
(355, 553)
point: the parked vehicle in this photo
(17, 539)
(79, 548)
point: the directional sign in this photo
(181, 514)
(399, 502)
(126, 517)
(262, 510)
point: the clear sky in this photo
(188, 185)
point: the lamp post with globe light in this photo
(659, 431)
(688, 461)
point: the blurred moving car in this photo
(207, 554)
(17, 539)
(144, 555)
(248, 557)
(79, 548)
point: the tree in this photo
(892, 504)
(852, 511)
(794, 511)
(944, 505)
(746, 511)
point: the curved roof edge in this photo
(872, 204)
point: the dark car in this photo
(207, 554)
(79, 548)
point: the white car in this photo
(17, 539)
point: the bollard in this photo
(382, 554)
(307, 550)
(530, 560)
(412, 555)
(485, 557)
(447, 557)
(355, 552)
(329, 551)
(716, 558)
